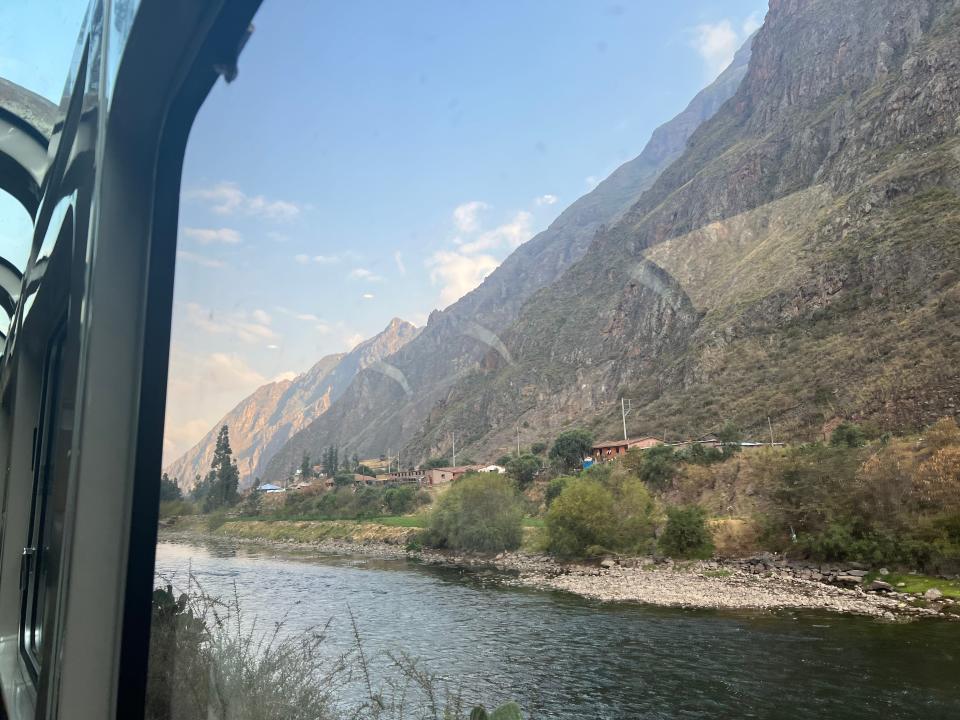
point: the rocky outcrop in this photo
(386, 407)
(262, 423)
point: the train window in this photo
(38, 569)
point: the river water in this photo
(562, 657)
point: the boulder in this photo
(849, 579)
(607, 563)
(932, 594)
(855, 572)
(884, 572)
(880, 586)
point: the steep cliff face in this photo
(799, 261)
(264, 421)
(387, 406)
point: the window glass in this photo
(39, 40)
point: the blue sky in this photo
(378, 159)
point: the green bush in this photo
(600, 512)
(400, 500)
(215, 519)
(555, 487)
(658, 465)
(173, 508)
(848, 435)
(480, 512)
(686, 534)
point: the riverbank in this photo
(755, 584)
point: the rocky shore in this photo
(761, 583)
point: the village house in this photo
(439, 476)
(404, 477)
(494, 469)
(613, 449)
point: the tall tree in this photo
(306, 469)
(223, 478)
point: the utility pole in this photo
(454, 449)
(770, 425)
(518, 439)
(625, 410)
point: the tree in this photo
(343, 479)
(686, 534)
(330, 461)
(306, 469)
(522, 470)
(538, 448)
(730, 438)
(365, 470)
(657, 466)
(847, 435)
(579, 521)
(223, 478)
(480, 512)
(555, 487)
(570, 448)
(436, 462)
(608, 510)
(169, 489)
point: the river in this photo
(562, 657)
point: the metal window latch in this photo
(26, 560)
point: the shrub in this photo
(848, 435)
(215, 520)
(400, 500)
(943, 433)
(686, 534)
(657, 466)
(555, 487)
(173, 508)
(600, 512)
(569, 449)
(538, 448)
(343, 479)
(480, 512)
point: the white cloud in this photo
(547, 199)
(458, 273)
(364, 274)
(367, 296)
(465, 215)
(288, 375)
(304, 259)
(716, 43)
(226, 198)
(398, 259)
(205, 236)
(510, 235)
(201, 260)
(351, 341)
(591, 181)
(250, 328)
(273, 347)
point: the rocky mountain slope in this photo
(387, 406)
(800, 260)
(263, 422)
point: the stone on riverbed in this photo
(932, 594)
(880, 586)
(607, 563)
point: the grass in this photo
(404, 521)
(919, 584)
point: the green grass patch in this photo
(532, 522)
(919, 584)
(406, 521)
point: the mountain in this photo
(799, 262)
(263, 422)
(382, 411)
